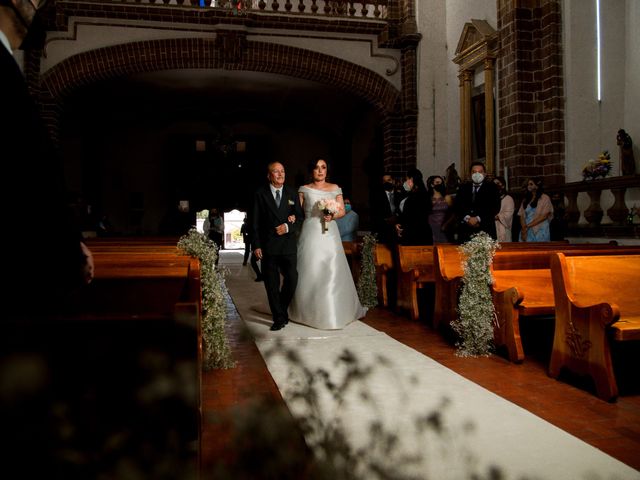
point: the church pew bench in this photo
(415, 270)
(138, 285)
(385, 267)
(523, 287)
(170, 249)
(352, 252)
(448, 272)
(597, 304)
(138, 304)
(139, 241)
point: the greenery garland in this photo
(476, 316)
(367, 287)
(216, 352)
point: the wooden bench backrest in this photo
(449, 257)
(415, 257)
(521, 255)
(123, 241)
(448, 261)
(540, 258)
(590, 280)
(349, 248)
(173, 250)
(139, 284)
(383, 256)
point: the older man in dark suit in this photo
(477, 203)
(277, 216)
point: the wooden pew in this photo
(415, 270)
(523, 287)
(140, 306)
(385, 267)
(352, 252)
(138, 284)
(597, 303)
(447, 275)
(448, 272)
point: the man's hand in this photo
(282, 229)
(474, 222)
(88, 269)
(258, 253)
(291, 218)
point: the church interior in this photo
(163, 109)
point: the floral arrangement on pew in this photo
(367, 287)
(216, 352)
(476, 314)
(598, 168)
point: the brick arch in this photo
(190, 53)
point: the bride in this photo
(325, 297)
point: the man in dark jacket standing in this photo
(477, 203)
(277, 216)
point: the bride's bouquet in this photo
(329, 206)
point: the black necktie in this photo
(475, 190)
(277, 198)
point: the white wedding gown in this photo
(325, 297)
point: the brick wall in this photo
(531, 95)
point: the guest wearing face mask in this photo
(440, 205)
(477, 204)
(535, 213)
(413, 223)
(348, 224)
(384, 210)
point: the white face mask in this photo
(477, 177)
(531, 188)
(406, 186)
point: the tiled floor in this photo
(611, 427)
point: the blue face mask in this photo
(347, 207)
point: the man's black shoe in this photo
(259, 279)
(277, 326)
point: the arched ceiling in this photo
(216, 97)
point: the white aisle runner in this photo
(480, 430)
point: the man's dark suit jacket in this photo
(381, 213)
(267, 216)
(46, 258)
(485, 205)
(414, 219)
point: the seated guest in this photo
(535, 213)
(348, 224)
(504, 218)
